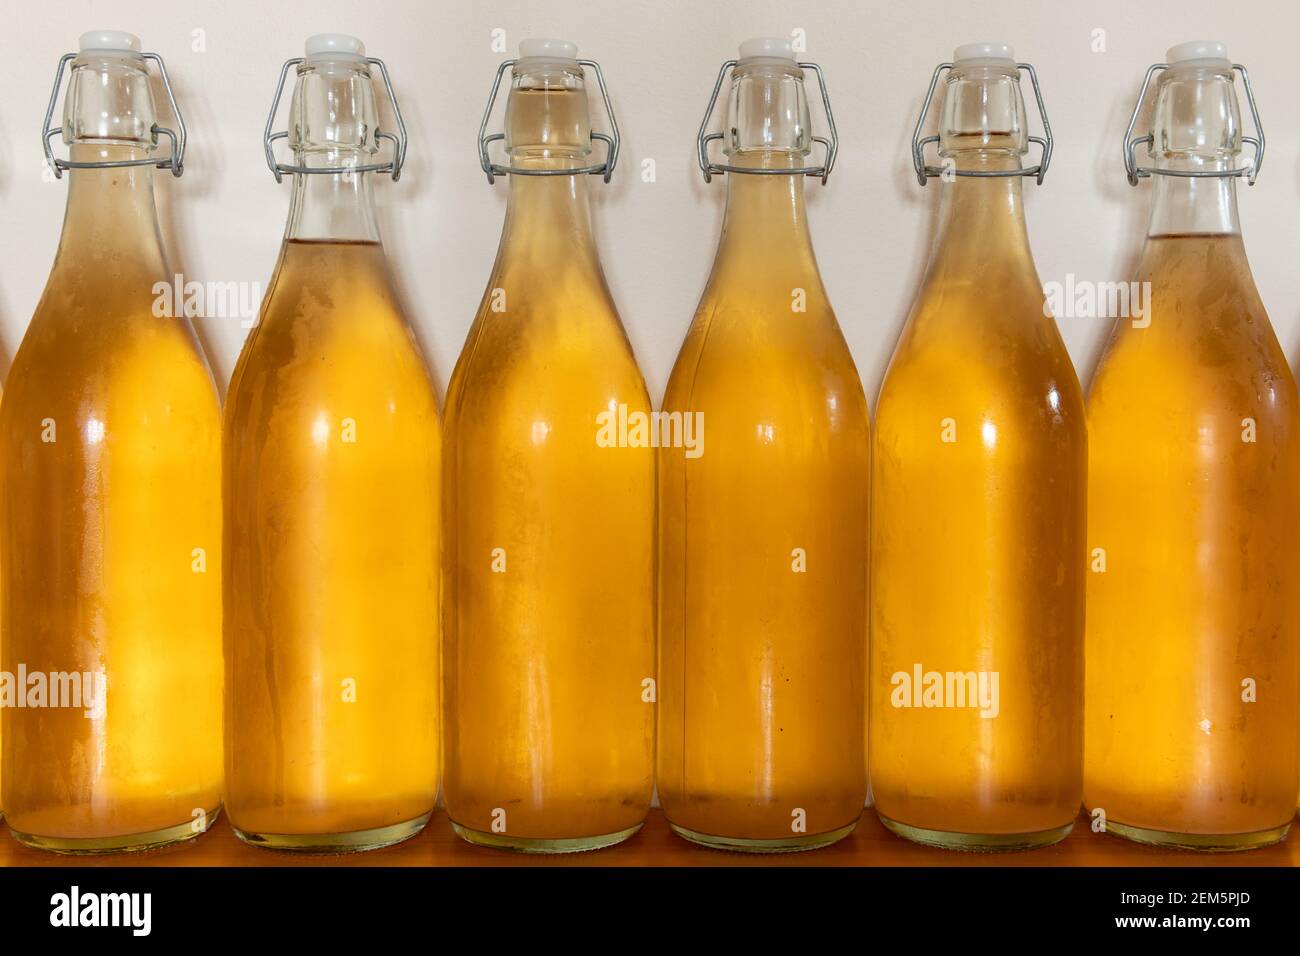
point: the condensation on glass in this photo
(110, 439)
(1193, 647)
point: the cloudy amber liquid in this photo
(332, 497)
(978, 543)
(764, 548)
(111, 534)
(1201, 587)
(2, 810)
(549, 561)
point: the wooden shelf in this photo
(869, 845)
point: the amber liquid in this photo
(2, 809)
(978, 485)
(1201, 587)
(111, 533)
(332, 491)
(763, 539)
(549, 618)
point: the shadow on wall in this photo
(409, 192)
(1292, 348)
(920, 200)
(6, 348)
(173, 196)
(1111, 182)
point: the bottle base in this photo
(352, 841)
(1203, 842)
(129, 843)
(504, 841)
(794, 843)
(978, 842)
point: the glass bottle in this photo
(111, 517)
(978, 485)
(549, 508)
(763, 526)
(332, 447)
(3, 701)
(1193, 646)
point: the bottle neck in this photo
(332, 206)
(983, 130)
(332, 123)
(548, 217)
(1195, 128)
(767, 128)
(766, 219)
(1183, 206)
(111, 215)
(548, 223)
(982, 218)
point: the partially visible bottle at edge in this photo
(110, 441)
(1193, 667)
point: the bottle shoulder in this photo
(768, 378)
(287, 378)
(1139, 379)
(1032, 392)
(331, 311)
(1202, 337)
(541, 349)
(741, 334)
(78, 355)
(967, 343)
(1191, 342)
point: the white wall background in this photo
(224, 219)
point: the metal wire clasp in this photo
(175, 162)
(709, 168)
(605, 170)
(924, 172)
(394, 166)
(1136, 172)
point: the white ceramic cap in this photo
(111, 40)
(1197, 50)
(548, 49)
(983, 51)
(335, 46)
(778, 47)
